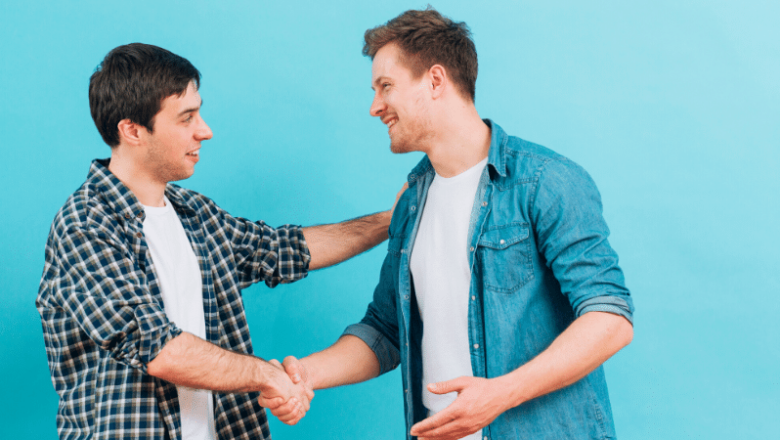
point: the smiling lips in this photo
(390, 123)
(194, 154)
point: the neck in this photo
(144, 186)
(461, 140)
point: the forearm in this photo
(347, 361)
(588, 342)
(192, 362)
(334, 243)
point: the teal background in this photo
(673, 107)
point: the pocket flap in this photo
(501, 237)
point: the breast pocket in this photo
(505, 257)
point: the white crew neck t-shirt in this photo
(441, 277)
(179, 276)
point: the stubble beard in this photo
(414, 139)
(162, 170)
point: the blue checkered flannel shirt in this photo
(103, 317)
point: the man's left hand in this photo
(479, 402)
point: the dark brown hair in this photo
(427, 38)
(131, 83)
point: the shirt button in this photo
(140, 214)
(476, 345)
(406, 296)
(484, 203)
(127, 215)
(471, 249)
(473, 298)
(484, 438)
(413, 208)
(139, 235)
(502, 241)
(406, 391)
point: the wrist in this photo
(262, 374)
(511, 390)
(312, 375)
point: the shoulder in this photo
(82, 208)
(193, 200)
(532, 162)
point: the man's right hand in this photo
(287, 400)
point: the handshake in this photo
(287, 390)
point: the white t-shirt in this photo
(441, 276)
(179, 276)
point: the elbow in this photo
(625, 332)
(158, 367)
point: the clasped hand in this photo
(288, 391)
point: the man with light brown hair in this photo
(500, 296)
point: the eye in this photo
(188, 118)
(385, 85)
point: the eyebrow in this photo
(378, 80)
(190, 110)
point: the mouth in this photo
(194, 156)
(391, 123)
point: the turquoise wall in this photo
(673, 107)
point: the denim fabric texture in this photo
(539, 259)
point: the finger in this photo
(306, 405)
(275, 363)
(452, 431)
(422, 429)
(449, 386)
(289, 408)
(294, 416)
(293, 368)
(271, 403)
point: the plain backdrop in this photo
(673, 107)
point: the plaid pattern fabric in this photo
(103, 317)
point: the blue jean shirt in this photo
(539, 258)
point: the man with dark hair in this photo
(140, 297)
(500, 296)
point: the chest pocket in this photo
(505, 257)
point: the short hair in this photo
(427, 38)
(131, 82)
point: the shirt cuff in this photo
(140, 347)
(386, 353)
(610, 304)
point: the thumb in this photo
(447, 386)
(293, 368)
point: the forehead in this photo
(387, 63)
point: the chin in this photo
(400, 147)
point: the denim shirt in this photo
(539, 258)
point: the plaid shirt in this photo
(103, 317)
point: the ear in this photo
(438, 80)
(129, 132)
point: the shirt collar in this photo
(496, 155)
(119, 197)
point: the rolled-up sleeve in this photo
(379, 327)
(100, 288)
(572, 236)
(262, 253)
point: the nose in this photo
(204, 132)
(377, 106)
